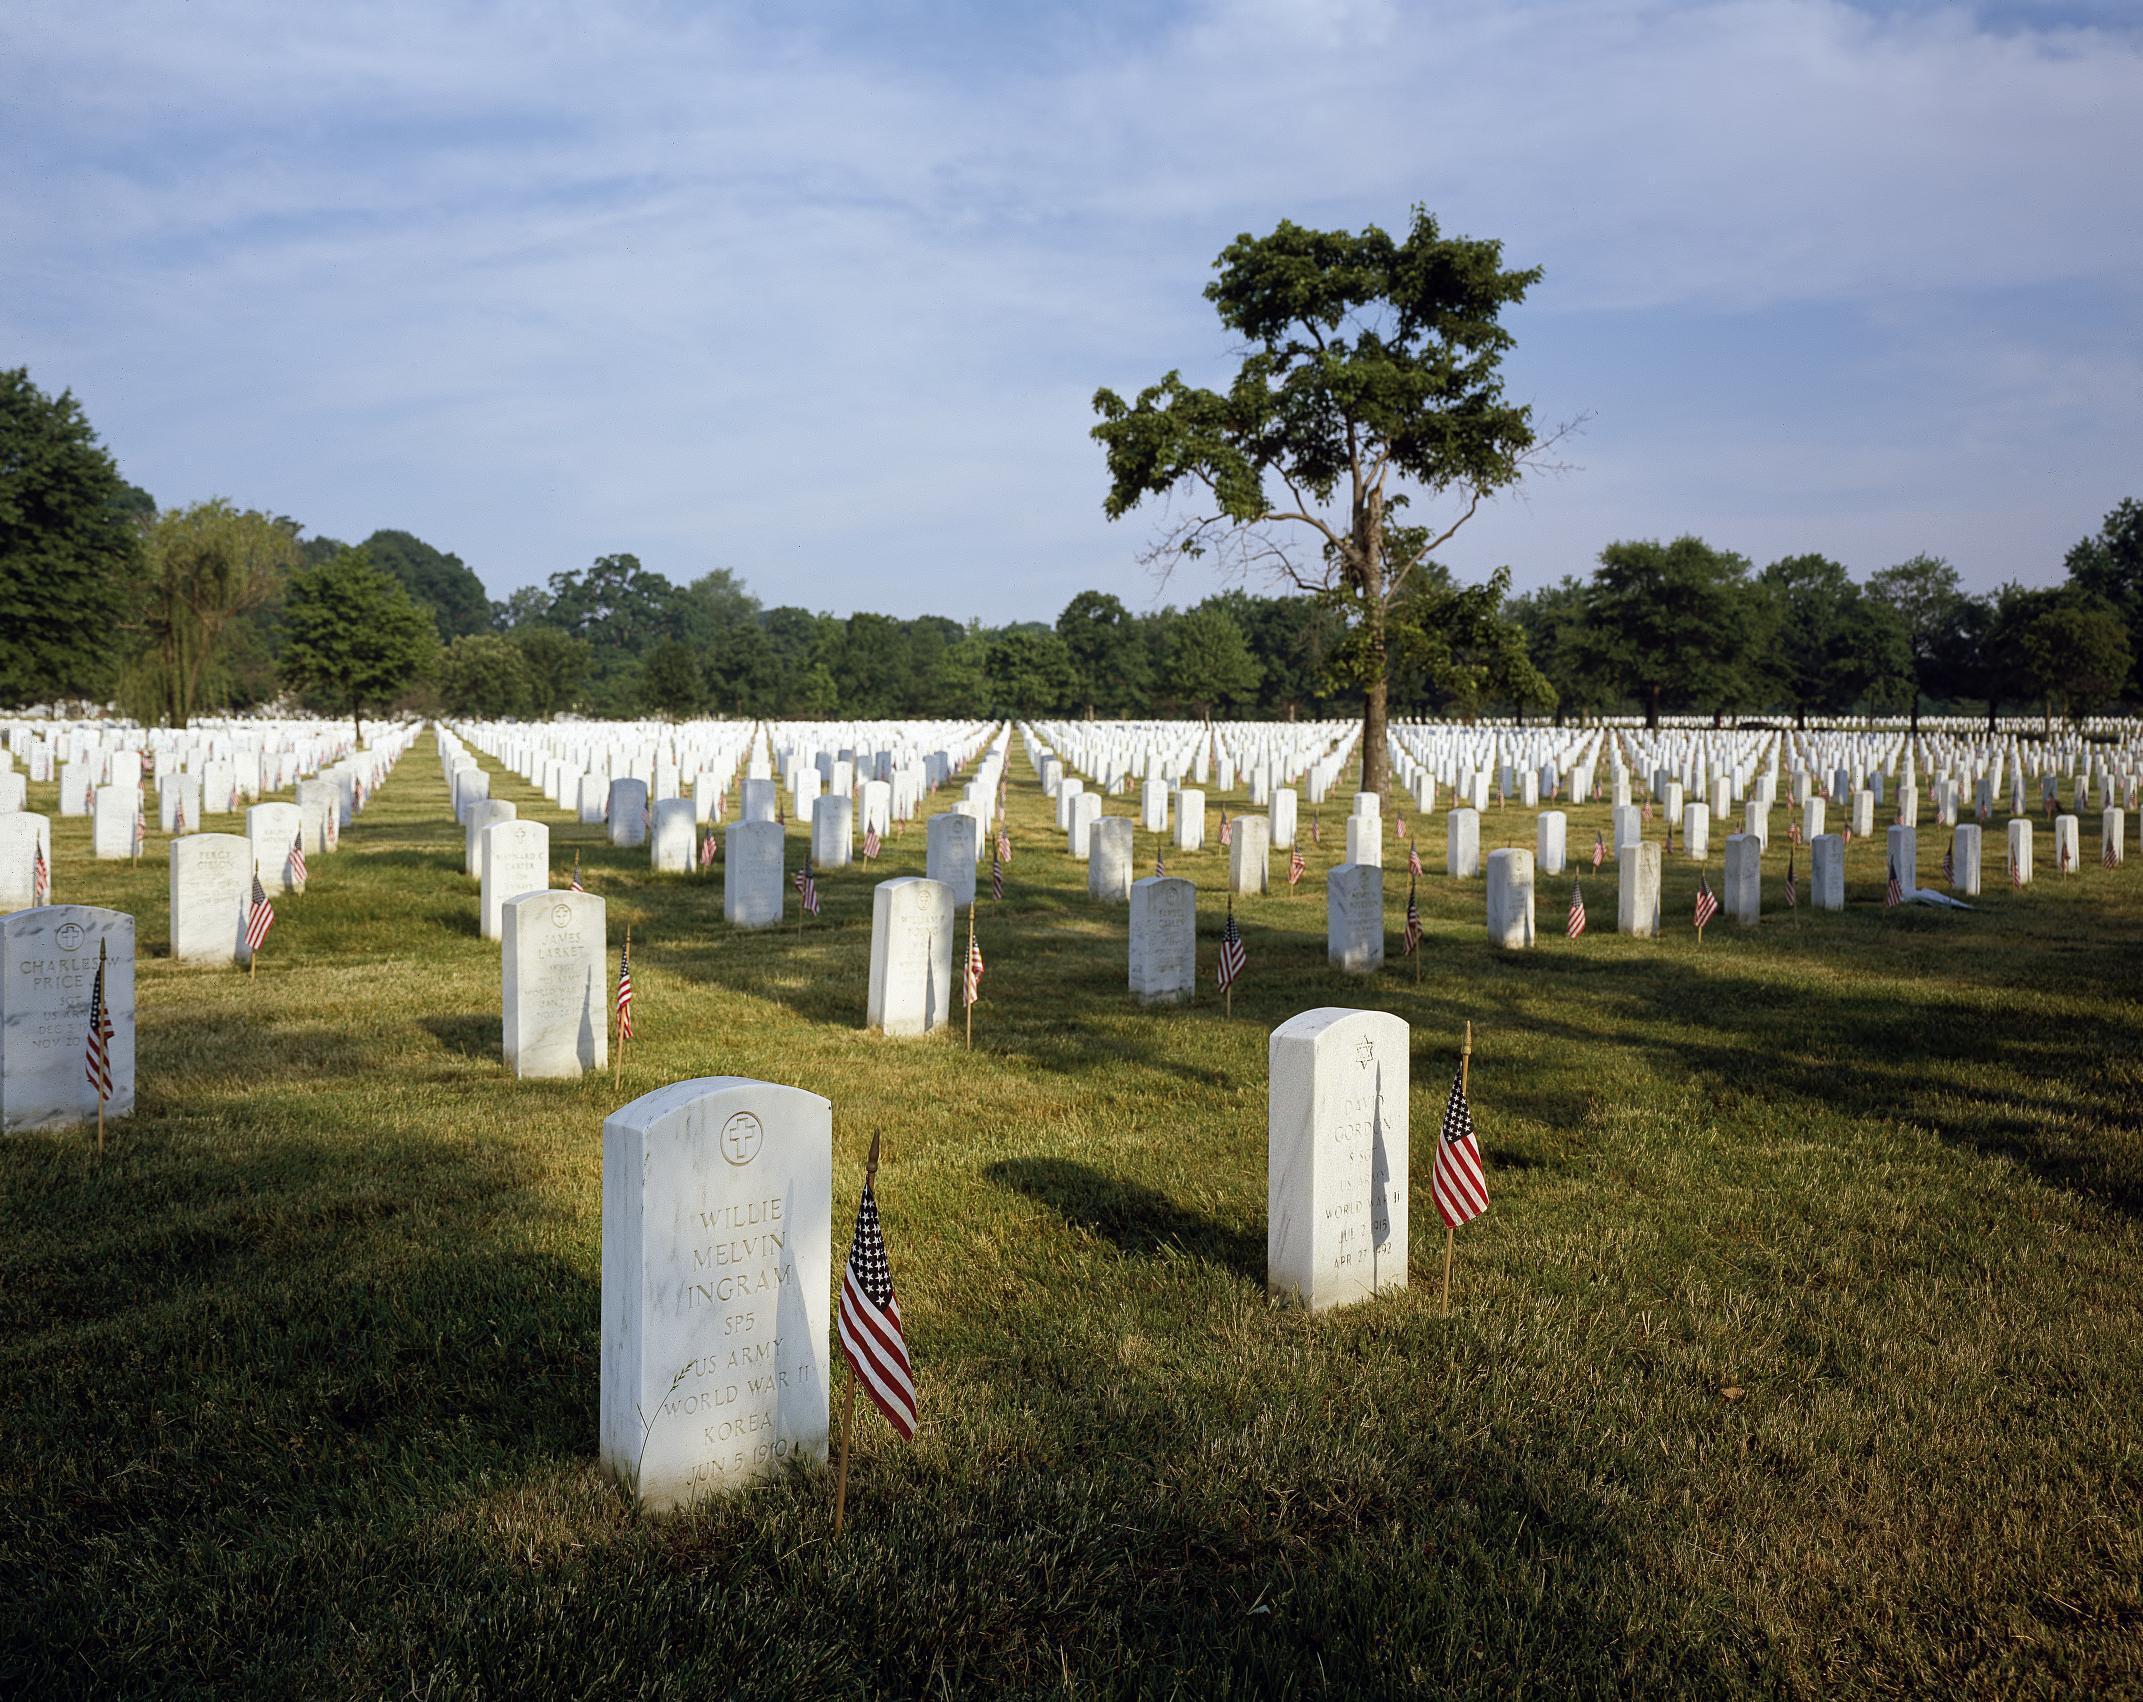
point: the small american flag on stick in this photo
(1413, 862)
(871, 844)
(260, 917)
(706, 849)
(1457, 1179)
(2105, 851)
(997, 879)
(624, 999)
(297, 859)
(1412, 937)
(1893, 893)
(869, 1320)
(1233, 959)
(973, 977)
(1004, 846)
(577, 887)
(1227, 828)
(1577, 908)
(1949, 864)
(40, 875)
(1296, 867)
(1793, 892)
(807, 890)
(1599, 850)
(97, 1059)
(1707, 905)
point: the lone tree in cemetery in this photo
(355, 636)
(1374, 377)
(209, 565)
(69, 547)
(485, 676)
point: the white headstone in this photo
(833, 842)
(717, 1276)
(1164, 940)
(273, 830)
(48, 967)
(513, 857)
(557, 1015)
(1637, 895)
(1826, 879)
(1336, 1156)
(211, 892)
(1550, 835)
(752, 872)
(23, 834)
(911, 987)
(1742, 898)
(949, 854)
(628, 811)
(1462, 843)
(1354, 917)
(1510, 897)
(1250, 854)
(1109, 870)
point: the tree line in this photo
(170, 613)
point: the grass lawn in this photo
(1802, 1350)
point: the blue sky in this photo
(821, 294)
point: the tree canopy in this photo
(355, 635)
(1373, 380)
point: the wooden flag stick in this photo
(1465, 1059)
(848, 1402)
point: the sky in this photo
(822, 293)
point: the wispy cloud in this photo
(825, 300)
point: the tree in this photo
(207, 566)
(1108, 662)
(1210, 662)
(356, 636)
(1455, 650)
(1925, 596)
(670, 681)
(2110, 565)
(555, 664)
(69, 548)
(1559, 641)
(485, 676)
(1030, 673)
(1671, 622)
(443, 583)
(1374, 376)
(2076, 654)
(1827, 644)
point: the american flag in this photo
(1599, 850)
(1707, 906)
(869, 1323)
(40, 875)
(1648, 811)
(624, 1005)
(1413, 922)
(1577, 908)
(297, 859)
(807, 887)
(1296, 867)
(871, 844)
(97, 1056)
(260, 918)
(1160, 863)
(2016, 875)
(1949, 864)
(1233, 958)
(1413, 861)
(1457, 1180)
(141, 830)
(332, 824)
(1793, 891)
(706, 849)
(1400, 825)
(2105, 850)
(1893, 893)
(1227, 828)
(997, 879)
(577, 887)
(1004, 846)
(973, 977)
(1793, 831)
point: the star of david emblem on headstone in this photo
(1365, 1054)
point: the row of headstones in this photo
(323, 806)
(717, 1255)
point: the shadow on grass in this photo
(1141, 1221)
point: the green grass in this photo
(1802, 1350)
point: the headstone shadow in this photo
(1139, 1220)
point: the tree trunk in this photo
(1916, 712)
(357, 717)
(1376, 764)
(1651, 709)
(1990, 717)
